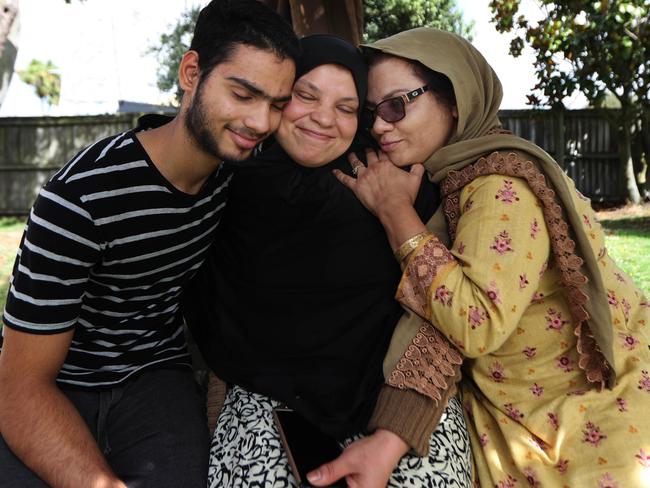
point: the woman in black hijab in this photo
(295, 305)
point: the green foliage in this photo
(384, 18)
(42, 76)
(591, 46)
(171, 49)
(597, 47)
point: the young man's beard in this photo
(198, 125)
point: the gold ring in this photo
(356, 168)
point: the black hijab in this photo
(296, 299)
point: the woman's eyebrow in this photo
(349, 99)
(388, 95)
(309, 85)
(313, 87)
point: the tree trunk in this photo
(342, 18)
(8, 42)
(625, 140)
(644, 143)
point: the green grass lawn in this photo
(628, 242)
(10, 231)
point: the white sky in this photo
(99, 47)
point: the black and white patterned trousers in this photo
(247, 452)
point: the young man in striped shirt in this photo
(96, 387)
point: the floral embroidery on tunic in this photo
(554, 320)
(496, 372)
(537, 390)
(468, 204)
(538, 297)
(530, 352)
(461, 248)
(476, 316)
(523, 281)
(502, 243)
(534, 228)
(509, 482)
(562, 465)
(644, 382)
(592, 434)
(607, 481)
(553, 420)
(531, 477)
(493, 292)
(619, 277)
(611, 298)
(622, 404)
(564, 363)
(628, 341)
(443, 295)
(506, 193)
(644, 459)
(483, 439)
(585, 219)
(513, 412)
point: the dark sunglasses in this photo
(394, 109)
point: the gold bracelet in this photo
(410, 245)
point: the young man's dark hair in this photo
(223, 24)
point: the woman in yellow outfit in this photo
(512, 270)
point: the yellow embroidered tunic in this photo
(533, 418)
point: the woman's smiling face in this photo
(320, 122)
(428, 123)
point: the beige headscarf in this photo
(478, 95)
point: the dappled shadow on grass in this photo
(8, 222)
(634, 226)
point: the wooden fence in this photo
(31, 149)
(581, 141)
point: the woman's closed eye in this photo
(305, 96)
(348, 110)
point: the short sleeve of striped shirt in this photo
(57, 250)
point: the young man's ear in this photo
(188, 71)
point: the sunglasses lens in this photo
(391, 110)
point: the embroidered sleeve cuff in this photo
(430, 365)
(429, 263)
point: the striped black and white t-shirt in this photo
(108, 246)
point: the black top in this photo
(296, 299)
(108, 247)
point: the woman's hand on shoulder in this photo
(366, 463)
(382, 187)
